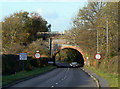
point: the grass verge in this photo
(111, 78)
(6, 79)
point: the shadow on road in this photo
(67, 67)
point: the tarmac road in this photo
(60, 77)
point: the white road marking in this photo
(63, 78)
(65, 75)
(52, 86)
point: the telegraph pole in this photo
(50, 41)
(97, 43)
(98, 48)
(107, 36)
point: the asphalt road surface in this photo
(62, 64)
(60, 77)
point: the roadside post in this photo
(98, 57)
(23, 57)
(87, 61)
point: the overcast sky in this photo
(58, 14)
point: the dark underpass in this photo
(69, 57)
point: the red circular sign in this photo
(98, 56)
(37, 55)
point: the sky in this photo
(58, 14)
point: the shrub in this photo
(12, 64)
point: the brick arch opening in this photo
(71, 47)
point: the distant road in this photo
(60, 77)
(62, 64)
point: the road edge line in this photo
(24, 79)
(94, 78)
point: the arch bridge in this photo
(58, 47)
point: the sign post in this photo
(23, 65)
(87, 61)
(98, 57)
(22, 57)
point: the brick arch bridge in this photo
(69, 46)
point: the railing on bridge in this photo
(50, 33)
